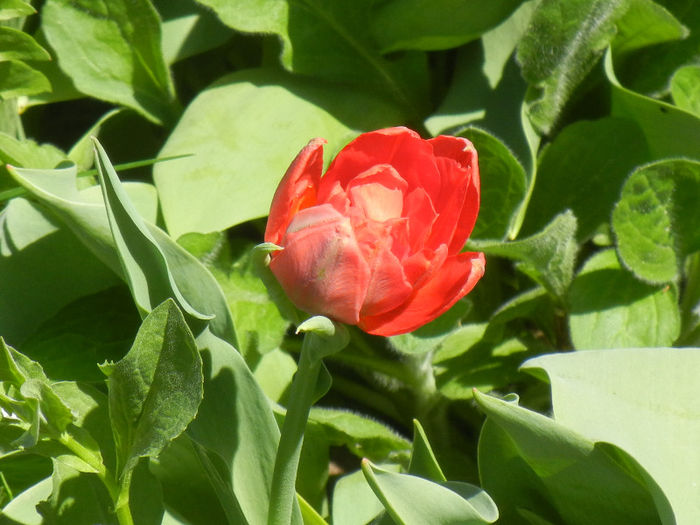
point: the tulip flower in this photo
(377, 241)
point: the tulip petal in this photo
(378, 192)
(453, 281)
(296, 191)
(421, 217)
(388, 287)
(457, 160)
(400, 147)
(321, 267)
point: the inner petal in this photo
(379, 193)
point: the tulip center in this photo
(378, 193)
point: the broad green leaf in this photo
(548, 467)
(354, 502)
(413, 500)
(27, 153)
(685, 89)
(29, 238)
(15, 9)
(661, 123)
(563, 43)
(641, 400)
(188, 29)
(18, 45)
(656, 221)
(112, 51)
(333, 41)
(583, 170)
(274, 372)
(443, 24)
(610, 308)
(504, 184)
(186, 488)
(276, 116)
(247, 443)
(650, 69)
(22, 509)
(363, 436)
(155, 390)
(86, 332)
(18, 79)
(84, 213)
(423, 462)
(77, 497)
(548, 257)
(646, 23)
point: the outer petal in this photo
(411, 156)
(458, 203)
(296, 191)
(453, 281)
(321, 267)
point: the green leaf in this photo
(188, 29)
(22, 509)
(661, 123)
(18, 45)
(155, 390)
(644, 24)
(547, 257)
(504, 184)
(333, 41)
(260, 327)
(15, 9)
(185, 484)
(612, 309)
(27, 153)
(583, 170)
(144, 264)
(413, 500)
(18, 79)
(354, 502)
(86, 332)
(77, 497)
(549, 467)
(362, 435)
(423, 461)
(443, 24)
(563, 43)
(124, 65)
(83, 151)
(655, 220)
(243, 449)
(84, 213)
(593, 392)
(685, 89)
(29, 238)
(276, 116)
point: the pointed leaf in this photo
(155, 390)
(413, 500)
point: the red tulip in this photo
(376, 242)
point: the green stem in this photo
(116, 491)
(301, 397)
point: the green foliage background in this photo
(146, 354)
